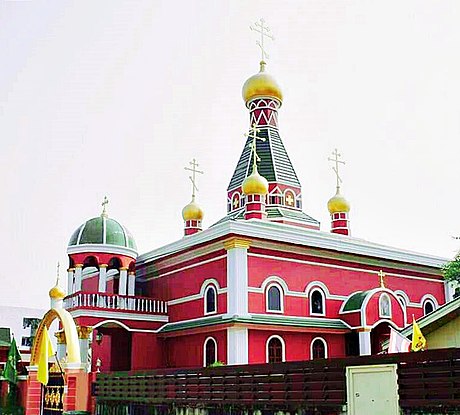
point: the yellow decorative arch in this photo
(71, 335)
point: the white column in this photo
(70, 285)
(78, 269)
(102, 278)
(131, 283)
(237, 276)
(449, 289)
(84, 333)
(123, 281)
(365, 342)
(237, 346)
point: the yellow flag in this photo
(45, 351)
(418, 340)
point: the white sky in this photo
(115, 97)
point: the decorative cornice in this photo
(102, 248)
(283, 233)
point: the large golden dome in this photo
(255, 184)
(261, 85)
(338, 204)
(192, 211)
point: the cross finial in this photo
(57, 273)
(253, 134)
(336, 160)
(104, 204)
(381, 275)
(264, 31)
(192, 178)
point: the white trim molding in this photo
(323, 302)
(276, 285)
(210, 338)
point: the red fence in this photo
(428, 379)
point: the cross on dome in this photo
(264, 31)
(381, 275)
(104, 204)
(336, 160)
(254, 130)
(192, 178)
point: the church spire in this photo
(337, 205)
(263, 97)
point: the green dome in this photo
(103, 231)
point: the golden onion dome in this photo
(192, 211)
(57, 293)
(255, 184)
(261, 85)
(338, 204)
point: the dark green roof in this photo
(257, 319)
(274, 164)
(355, 302)
(102, 230)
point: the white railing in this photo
(115, 302)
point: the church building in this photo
(263, 284)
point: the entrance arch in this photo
(70, 330)
(379, 334)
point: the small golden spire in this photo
(336, 160)
(104, 204)
(253, 134)
(57, 293)
(381, 275)
(264, 31)
(192, 178)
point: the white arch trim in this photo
(283, 347)
(206, 283)
(385, 320)
(204, 349)
(317, 284)
(325, 347)
(276, 279)
(118, 323)
(431, 297)
(268, 310)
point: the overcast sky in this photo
(115, 97)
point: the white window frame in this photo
(267, 288)
(326, 354)
(323, 299)
(205, 302)
(385, 295)
(204, 349)
(283, 347)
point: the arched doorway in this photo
(379, 334)
(111, 347)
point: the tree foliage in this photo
(451, 270)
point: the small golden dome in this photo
(192, 211)
(338, 204)
(261, 84)
(255, 184)
(57, 293)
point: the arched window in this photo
(210, 351)
(384, 305)
(318, 348)
(275, 350)
(317, 305)
(235, 201)
(428, 307)
(210, 300)
(274, 298)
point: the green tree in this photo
(451, 270)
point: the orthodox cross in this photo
(264, 32)
(57, 272)
(336, 160)
(253, 134)
(192, 178)
(381, 275)
(104, 204)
